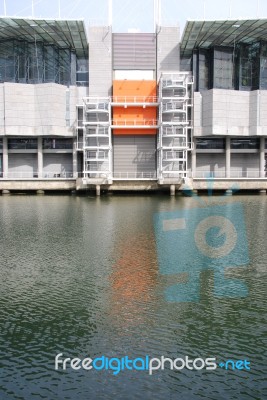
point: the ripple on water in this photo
(81, 277)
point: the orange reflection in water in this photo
(133, 280)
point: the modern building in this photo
(83, 109)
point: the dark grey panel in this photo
(134, 154)
(134, 51)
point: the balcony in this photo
(137, 123)
(97, 155)
(125, 101)
(96, 104)
(141, 175)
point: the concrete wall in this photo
(244, 165)
(32, 110)
(38, 184)
(168, 52)
(57, 164)
(212, 163)
(230, 112)
(100, 61)
(22, 165)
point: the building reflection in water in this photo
(133, 280)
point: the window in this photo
(22, 144)
(207, 143)
(223, 68)
(245, 143)
(55, 143)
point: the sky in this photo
(135, 14)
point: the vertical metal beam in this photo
(262, 157)
(5, 8)
(40, 157)
(230, 9)
(228, 157)
(159, 13)
(156, 14)
(5, 157)
(110, 12)
(193, 159)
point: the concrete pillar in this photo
(74, 159)
(193, 159)
(40, 157)
(5, 157)
(172, 190)
(262, 192)
(40, 191)
(262, 157)
(227, 157)
(97, 190)
(228, 192)
(5, 191)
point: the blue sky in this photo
(137, 14)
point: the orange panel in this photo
(134, 88)
(134, 91)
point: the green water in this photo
(81, 276)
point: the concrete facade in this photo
(230, 112)
(203, 130)
(100, 64)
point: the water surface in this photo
(80, 276)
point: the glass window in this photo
(82, 75)
(57, 143)
(22, 144)
(203, 70)
(30, 62)
(207, 143)
(223, 69)
(245, 143)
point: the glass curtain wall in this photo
(36, 62)
(243, 67)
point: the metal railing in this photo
(79, 145)
(173, 131)
(222, 174)
(95, 100)
(96, 155)
(143, 175)
(134, 99)
(35, 175)
(173, 155)
(136, 122)
(173, 106)
(97, 107)
(97, 130)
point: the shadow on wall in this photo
(145, 159)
